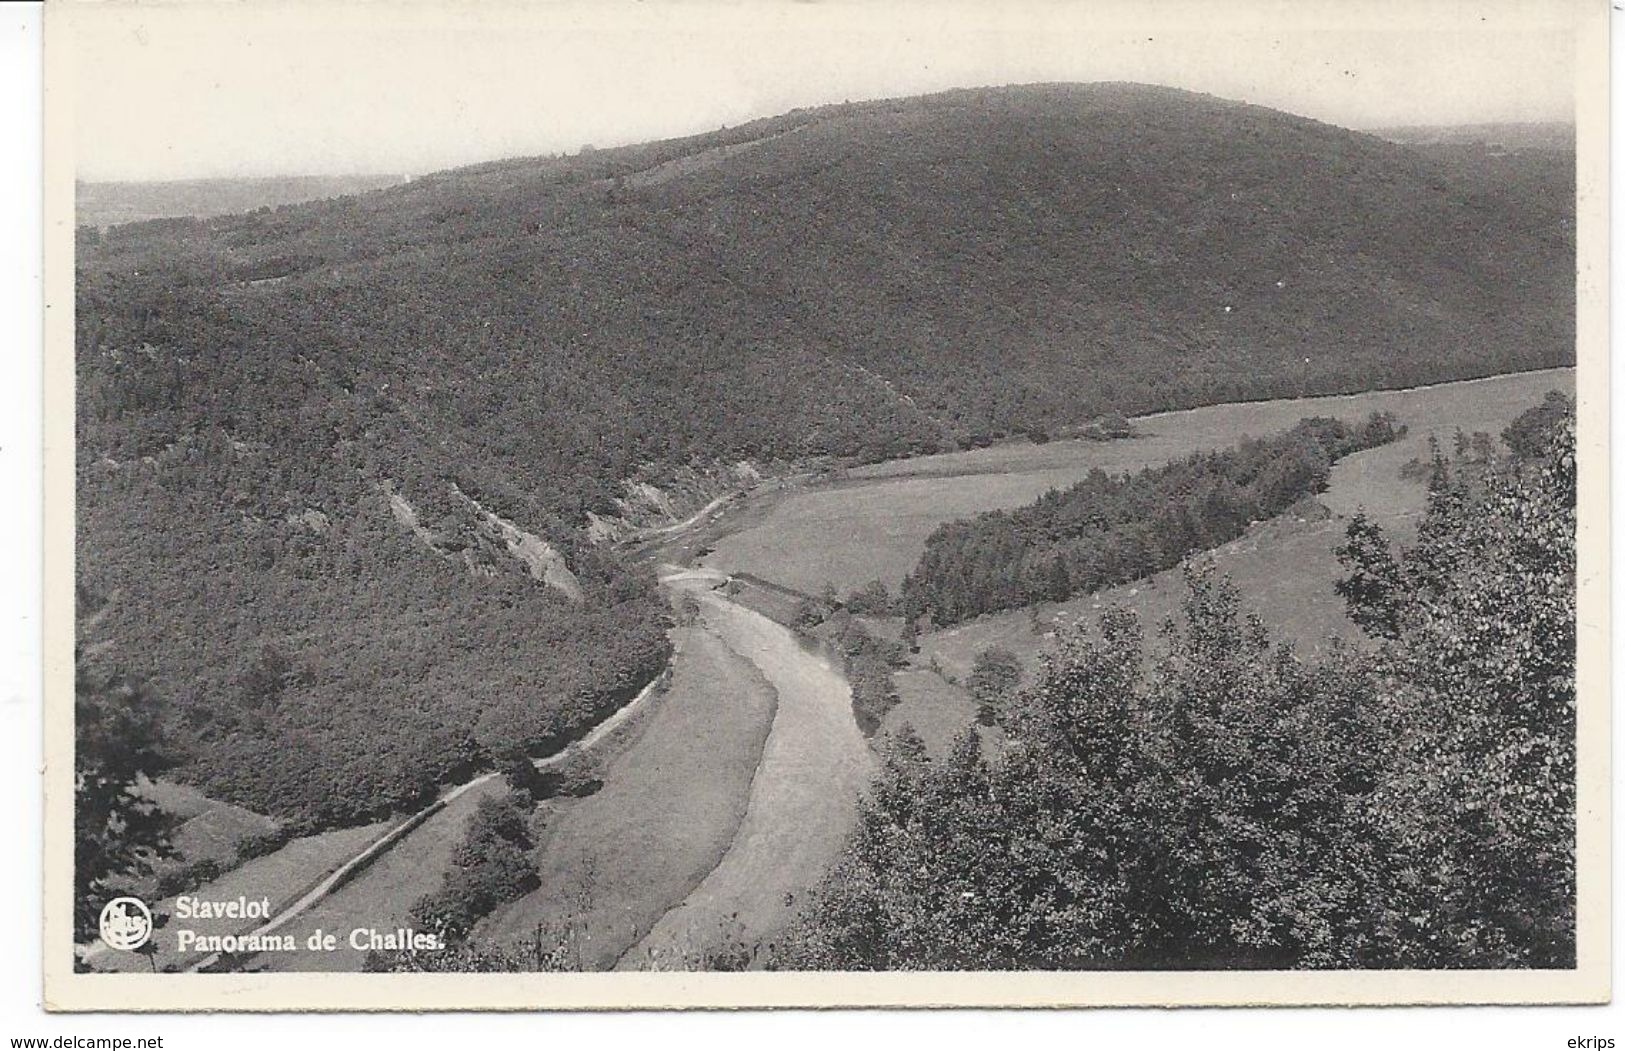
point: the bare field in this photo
(872, 523)
(612, 863)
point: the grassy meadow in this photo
(935, 709)
(872, 523)
(207, 828)
(1284, 568)
(612, 863)
(280, 876)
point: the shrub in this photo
(491, 865)
(258, 844)
(871, 600)
(995, 675)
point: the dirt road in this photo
(353, 879)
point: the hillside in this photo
(113, 203)
(1501, 136)
(932, 268)
(257, 392)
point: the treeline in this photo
(1229, 805)
(1110, 529)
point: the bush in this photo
(576, 775)
(258, 844)
(188, 877)
(522, 776)
(871, 600)
(1114, 425)
(490, 866)
(1532, 432)
(868, 664)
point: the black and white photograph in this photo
(825, 504)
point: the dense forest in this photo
(859, 280)
(1220, 802)
(316, 661)
(258, 395)
(1109, 529)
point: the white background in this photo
(21, 758)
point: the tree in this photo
(522, 776)
(489, 866)
(994, 677)
(873, 600)
(261, 686)
(118, 833)
(1482, 658)
(1371, 589)
(911, 635)
(1531, 433)
(808, 614)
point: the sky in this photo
(170, 90)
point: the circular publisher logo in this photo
(126, 924)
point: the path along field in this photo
(281, 876)
(381, 897)
(872, 523)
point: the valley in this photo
(733, 787)
(590, 461)
(1284, 568)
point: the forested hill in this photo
(256, 391)
(862, 279)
